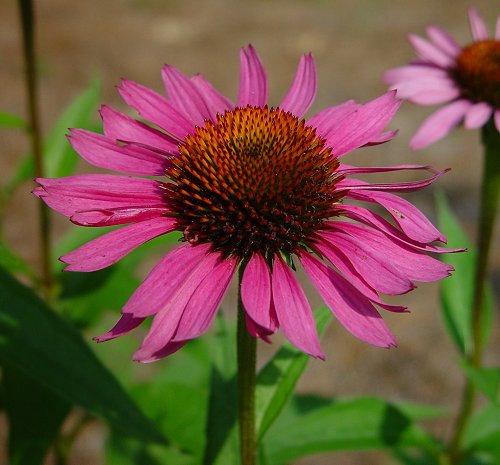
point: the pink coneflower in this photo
(466, 77)
(253, 187)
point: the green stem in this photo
(247, 358)
(28, 31)
(490, 193)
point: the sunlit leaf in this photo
(13, 263)
(41, 345)
(9, 120)
(487, 380)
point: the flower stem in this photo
(28, 31)
(247, 358)
(490, 192)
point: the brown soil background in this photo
(353, 41)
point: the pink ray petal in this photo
(444, 41)
(423, 71)
(382, 138)
(497, 120)
(165, 351)
(415, 265)
(477, 115)
(103, 152)
(302, 92)
(111, 247)
(155, 108)
(340, 261)
(351, 308)
(215, 101)
(477, 25)
(257, 331)
(371, 219)
(380, 274)
(350, 170)
(205, 301)
(72, 194)
(326, 120)
(293, 310)
(253, 79)
(118, 126)
(439, 124)
(115, 216)
(430, 52)
(256, 290)
(427, 91)
(364, 124)
(125, 324)
(172, 280)
(184, 96)
(409, 218)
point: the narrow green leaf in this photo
(313, 425)
(13, 263)
(9, 120)
(221, 430)
(487, 380)
(457, 290)
(60, 158)
(39, 343)
(483, 431)
(35, 417)
(277, 379)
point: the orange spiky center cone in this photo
(256, 180)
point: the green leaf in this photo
(457, 290)
(9, 120)
(39, 343)
(277, 379)
(15, 264)
(59, 158)
(222, 448)
(35, 416)
(312, 425)
(486, 380)
(483, 431)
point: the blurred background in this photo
(354, 42)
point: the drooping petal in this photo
(155, 108)
(204, 303)
(111, 247)
(257, 331)
(115, 216)
(98, 191)
(215, 101)
(410, 219)
(477, 25)
(256, 290)
(382, 138)
(165, 351)
(121, 127)
(125, 324)
(380, 274)
(293, 310)
(430, 52)
(184, 96)
(340, 261)
(428, 91)
(351, 308)
(439, 124)
(444, 40)
(176, 276)
(253, 79)
(415, 265)
(477, 115)
(365, 123)
(371, 219)
(103, 152)
(302, 92)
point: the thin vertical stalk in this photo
(247, 358)
(29, 52)
(490, 193)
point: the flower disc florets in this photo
(256, 180)
(477, 72)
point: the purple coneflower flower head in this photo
(247, 186)
(466, 79)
